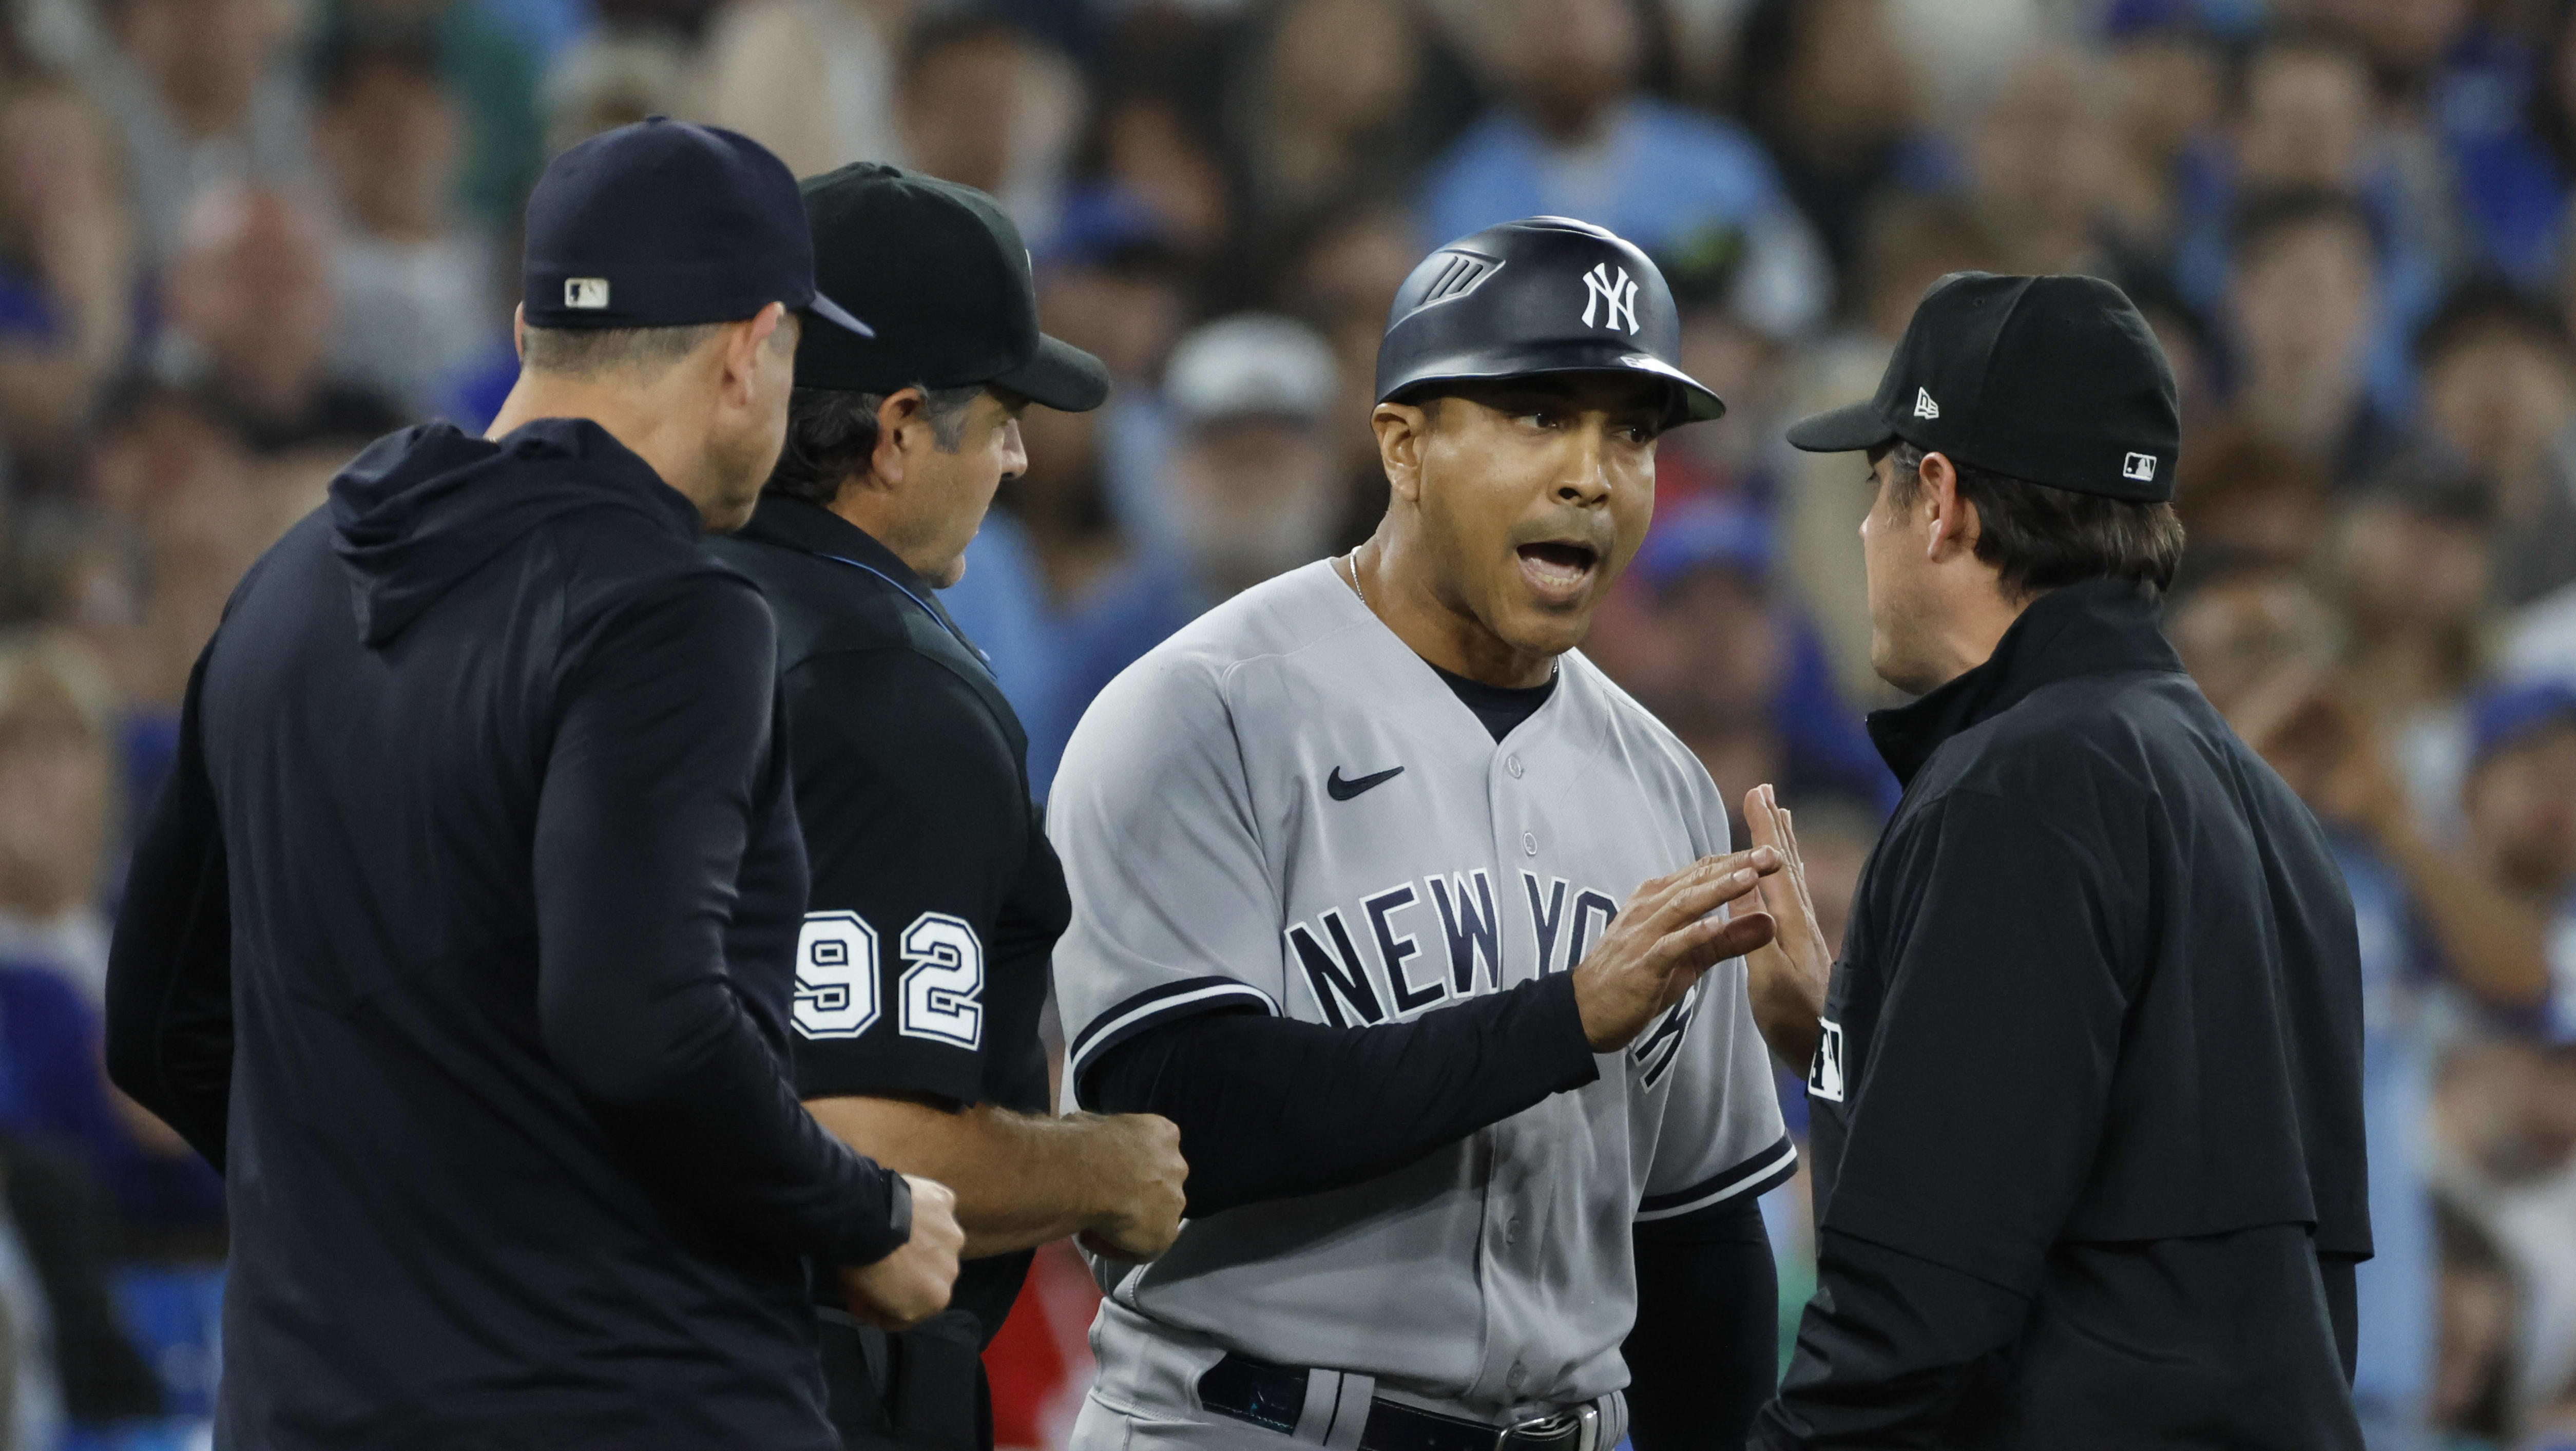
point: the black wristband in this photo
(865, 1244)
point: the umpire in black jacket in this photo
(922, 969)
(2087, 1108)
(461, 939)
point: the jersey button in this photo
(1513, 765)
(1529, 842)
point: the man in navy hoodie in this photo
(461, 940)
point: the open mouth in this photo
(1558, 568)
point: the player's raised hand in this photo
(1786, 977)
(1669, 933)
(912, 1284)
(1142, 1172)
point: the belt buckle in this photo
(1586, 1419)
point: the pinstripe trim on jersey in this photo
(1760, 1174)
(1159, 1004)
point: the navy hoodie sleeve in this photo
(169, 971)
(662, 751)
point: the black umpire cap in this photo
(1540, 295)
(669, 224)
(941, 274)
(2055, 380)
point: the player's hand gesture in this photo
(1670, 932)
(912, 1284)
(1786, 977)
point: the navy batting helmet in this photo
(1540, 295)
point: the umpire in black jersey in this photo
(2087, 1107)
(936, 900)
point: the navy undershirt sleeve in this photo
(1271, 1108)
(1705, 1352)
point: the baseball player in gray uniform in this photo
(1355, 865)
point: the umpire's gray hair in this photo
(832, 432)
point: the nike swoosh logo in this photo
(1341, 790)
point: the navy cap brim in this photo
(1693, 400)
(1059, 376)
(1852, 428)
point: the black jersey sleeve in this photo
(917, 827)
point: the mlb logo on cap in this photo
(586, 292)
(2140, 467)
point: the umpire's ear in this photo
(1401, 429)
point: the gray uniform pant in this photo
(1146, 1398)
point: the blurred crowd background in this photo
(239, 238)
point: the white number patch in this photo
(946, 977)
(836, 976)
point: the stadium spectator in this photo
(2244, 497)
(1702, 632)
(2168, 76)
(2520, 801)
(980, 102)
(812, 80)
(2500, 388)
(201, 91)
(1062, 504)
(416, 289)
(1826, 88)
(67, 273)
(1115, 283)
(491, 74)
(252, 312)
(1250, 485)
(1577, 137)
(611, 79)
(1332, 109)
(2299, 313)
(2306, 120)
(173, 481)
(2407, 566)
(58, 787)
(2040, 156)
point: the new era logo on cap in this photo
(586, 292)
(2139, 466)
(1924, 407)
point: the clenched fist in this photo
(911, 1284)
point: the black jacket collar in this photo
(2098, 626)
(809, 528)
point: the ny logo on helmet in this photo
(1615, 299)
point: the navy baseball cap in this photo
(942, 273)
(2502, 717)
(2053, 380)
(1711, 532)
(668, 224)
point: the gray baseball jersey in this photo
(1213, 864)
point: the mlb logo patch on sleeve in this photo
(586, 292)
(1825, 1075)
